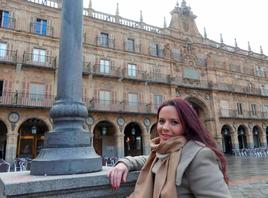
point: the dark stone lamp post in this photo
(68, 148)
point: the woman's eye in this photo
(174, 122)
(161, 121)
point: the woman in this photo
(184, 160)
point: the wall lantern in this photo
(34, 130)
(104, 130)
(133, 131)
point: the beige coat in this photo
(198, 173)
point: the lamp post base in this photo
(66, 161)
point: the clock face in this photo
(120, 121)
(146, 122)
(90, 120)
(13, 117)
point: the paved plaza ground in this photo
(248, 177)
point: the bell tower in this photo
(183, 19)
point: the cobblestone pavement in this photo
(248, 177)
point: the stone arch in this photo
(133, 139)
(226, 132)
(243, 136)
(103, 139)
(201, 107)
(3, 139)
(31, 137)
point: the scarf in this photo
(163, 161)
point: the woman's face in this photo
(169, 124)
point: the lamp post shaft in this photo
(67, 148)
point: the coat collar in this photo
(189, 152)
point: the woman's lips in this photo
(165, 136)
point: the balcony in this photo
(37, 60)
(132, 48)
(103, 42)
(43, 30)
(8, 56)
(233, 113)
(158, 78)
(26, 100)
(117, 106)
(135, 75)
(8, 23)
(110, 71)
(156, 52)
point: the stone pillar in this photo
(263, 139)
(146, 144)
(235, 143)
(11, 147)
(120, 145)
(250, 140)
(67, 148)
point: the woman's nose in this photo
(166, 126)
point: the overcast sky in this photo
(245, 20)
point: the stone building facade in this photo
(130, 67)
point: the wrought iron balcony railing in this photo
(135, 74)
(106, 70)
(132, 48)
(117, 106)
(8, 56)
(26, 100)
(40, 29)
(233, 113)
(104, 42)
(8, 23)
(39, 60)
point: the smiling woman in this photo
(184, 160)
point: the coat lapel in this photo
(189, 152)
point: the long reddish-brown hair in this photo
(194, 128)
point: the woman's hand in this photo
(118, 174)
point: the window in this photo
(4, 19)
(41, 26)
(265, 111)
(155, 50)
(39, 56)
(239, 109)
(1, 87)
(131, 70)
(176, 54)
(158, 99)
(37, 92)
(133, 100)
(105, 66)
(105, 97)
(3, 50)
(264, 90)
(130, 45)
(253, 109)
(104, 39)
(224, 106)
